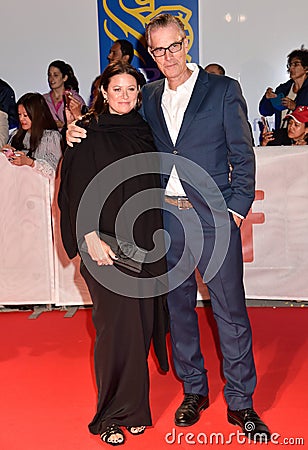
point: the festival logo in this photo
(127, 19)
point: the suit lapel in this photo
(197, 97)
(160, 115)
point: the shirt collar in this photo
(189, 83)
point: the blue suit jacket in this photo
(214, 134)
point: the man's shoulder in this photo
(284, 87)
(5, 87)
(153, 86)
(305, 85)
(4, 84)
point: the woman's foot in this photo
(113, 435)
(136, 430)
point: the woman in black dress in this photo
(117, 165)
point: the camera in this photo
(67, 98)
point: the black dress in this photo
(125, 323)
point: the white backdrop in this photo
(250, 39)
(280, 241)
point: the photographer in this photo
(288, 95)
(296, 132)
(37, 141)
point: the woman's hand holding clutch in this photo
(99, 250)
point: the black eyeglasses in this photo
(294, 64)
(173, 48)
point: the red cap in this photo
(300, 114)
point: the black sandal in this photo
(139, 430)
(111, 431)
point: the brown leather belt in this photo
(179, 202)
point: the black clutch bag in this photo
(129, 255)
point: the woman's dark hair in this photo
(40, 116)
(301, 54)
(116, 68)
(71, 82)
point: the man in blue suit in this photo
(199, 122)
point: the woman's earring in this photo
(105, 99)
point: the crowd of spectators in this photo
(66, 104)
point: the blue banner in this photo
(127, 19)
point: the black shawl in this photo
(111, 138)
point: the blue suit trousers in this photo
(190, 242)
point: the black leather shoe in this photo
(188, 412)
(251, 424)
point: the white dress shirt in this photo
(174, 104)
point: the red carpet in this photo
(48, 388)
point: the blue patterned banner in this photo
(127, 19)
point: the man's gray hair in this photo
(162, 21)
